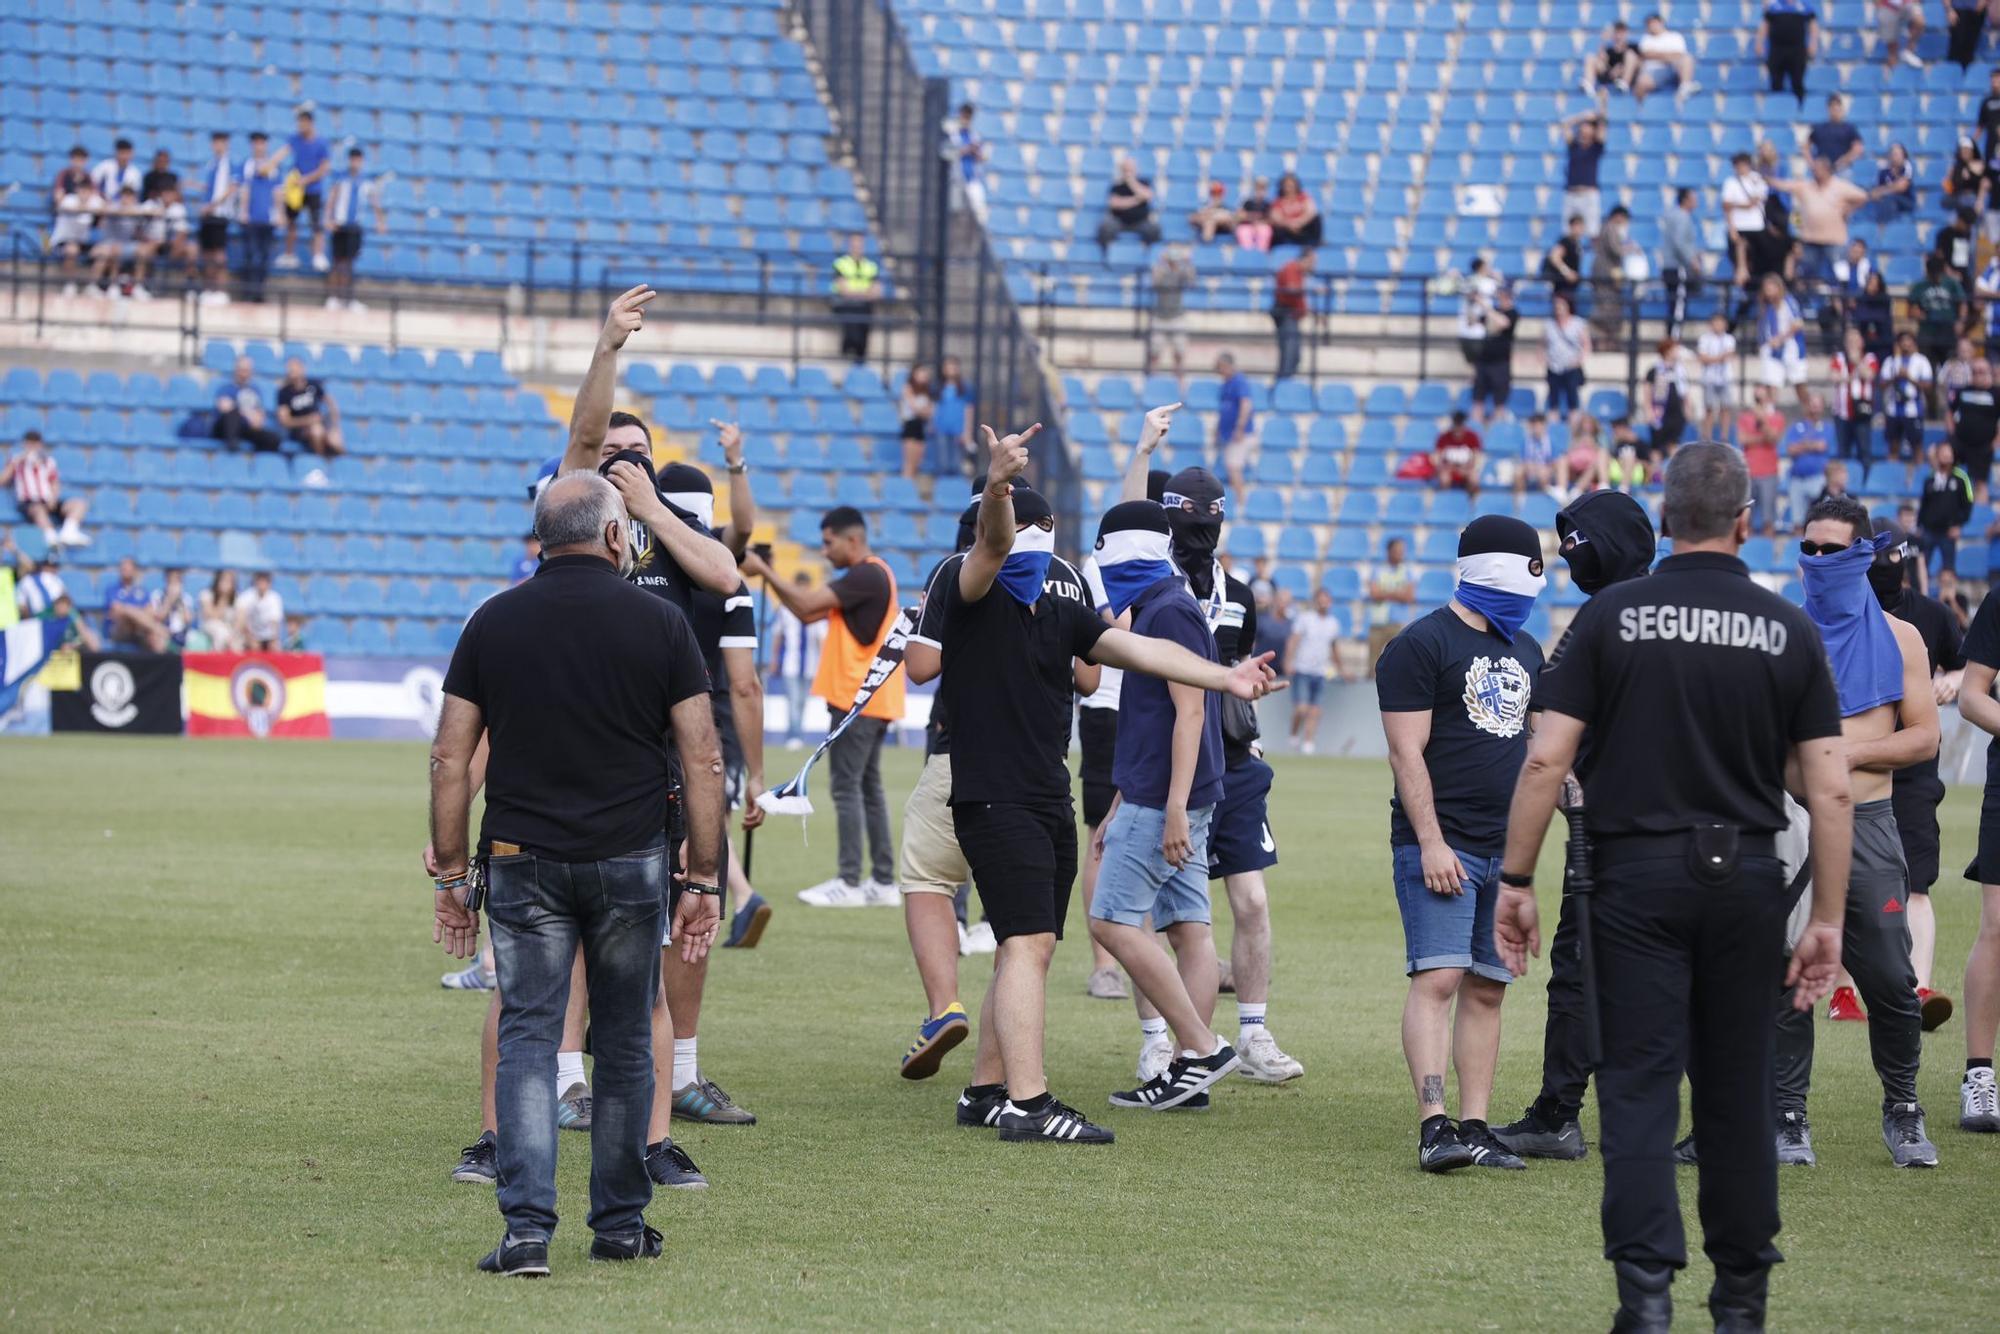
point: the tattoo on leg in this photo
(1433, 1090)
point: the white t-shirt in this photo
(798, 646)
(1316, 632)
(263, 614)
(1713, 344)
(1743, 201)
(1111, 680)
(1658, 46)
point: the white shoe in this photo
(1979, 1102)
(73, 536)
(878, 894)
(1911, 58)
(356, 308)
(69, 290)
(215, 297)
(316, 479)
(1264, 1063)
(1307, 748)
(795, 744)
(1686, 90)
(1155, 1057)
(335, 303)
(834, 893)
(977, 939)
(139, 292)
(320, 264)
(287, 261)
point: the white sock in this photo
(1192, 1054)
(1249, 1020)
(569, 1070)
(1152, 1028)
(684, 1066)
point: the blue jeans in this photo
(798, 689)
(539, 911)
(1856, 440)
(1449, 930)
(258, 239)
(1136, 880)
(1288, 343)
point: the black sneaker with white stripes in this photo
(1055, 1123)
(982, 1109)
(1488, 1151)
(1184, 1077)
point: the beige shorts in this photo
(1170, 334)
(932, 863)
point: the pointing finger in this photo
(1025, 436)
(992, 441)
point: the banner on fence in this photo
(256, 694)
(383, 699)
(118, 692)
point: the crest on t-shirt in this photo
(1496, 696)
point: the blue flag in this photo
(24, 647)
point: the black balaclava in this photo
(1889, 576)
(688, 492)
(1156, 483)
(1613, 539)
(1189, 496)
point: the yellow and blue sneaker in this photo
(934, 1039)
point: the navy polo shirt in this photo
(1142, 765)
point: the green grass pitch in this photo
(231, 1089)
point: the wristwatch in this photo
(697, 887)
(1513, 881)
(738, 469)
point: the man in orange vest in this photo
(859, 609)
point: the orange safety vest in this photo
(844, 660)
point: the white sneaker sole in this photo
(1208, 1081)
(1259, 1075)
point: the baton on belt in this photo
(1579, 883)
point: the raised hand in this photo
(628, 312)
(730, 436)
(641, 501)
(1007, 456)
(1155, 430)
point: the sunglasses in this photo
(1825, 548)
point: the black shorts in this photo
(1902, 437)
(1492, 382)
(1976, 457)
(214, 234)
(309, 206)
(297, 434)
(1023, 861)
(1097, 731)
(1985, 867)
(346, 243)
(1915, 803)
(1239, 834)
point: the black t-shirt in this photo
(1788, 27)
(721, 623)
(1982, 645)
(302, 400)
(1939, 628)
(1582, 168)
(157, 182)
(1696, 684)
(1977, 415)
(1233, 619)
(1134, 214)
(1498, 349)
(1006, 686)
(1572, 255)
(576, 674)
(1989, 121)
(661, 575)
(1062, 581)
(1477, 690)
(863, 594)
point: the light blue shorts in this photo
(1136, 881)
(1449, 930)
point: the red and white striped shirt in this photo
(36, 478)
(1854, 386)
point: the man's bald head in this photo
(581, 514)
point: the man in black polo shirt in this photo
(576, 678)
(1006, 680)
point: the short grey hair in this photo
(1707, 487)
(575, 509)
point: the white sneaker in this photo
(139, 292)
(316, 479)
(1979, 1102)
(335, 303)
(1911, 58)
(1155, 1056)
(1307, 748)
(356, 308)
(215, 297)
(795, 744)
(834, 893)
(320, 264)
(976, 939)
(287, 261)
(69, 290)
(877, 894)
(1264, 1063)
(73, 536)
(1686, 90)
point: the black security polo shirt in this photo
(1006, 688)
(576, 672)
(1696, 684)
(1062, 581)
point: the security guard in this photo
(857, 286)
(1697, 687)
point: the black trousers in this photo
(856, 320)
(1787, 65)
(233, 430)
(1687, 981)
(1565, 1062)
(1676, 280)
(1964, 43)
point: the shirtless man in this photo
(1890, 721)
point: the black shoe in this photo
(1538, 1136)
(982, 1111)
(479, 1162)
(1487, 1151)
(669, 1165)
(645, 1244)
(1440, 1149)
(1684, 1154)
(1184, 1077)
(1645, 1298)
(1737, 1300)
(1056, 1123)
(517, 1259)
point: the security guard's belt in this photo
(1640, 847)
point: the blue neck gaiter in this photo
(1027, 565)
(1505, 612)
(1860, 645)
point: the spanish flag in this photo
(255, 694)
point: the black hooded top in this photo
(1617, 543)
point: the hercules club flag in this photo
(790, 798)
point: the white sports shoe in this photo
(1911, 58)
(977, 939)
(69, 290)
(139, 293)
(877, 894)
(356, 308)
(321, 264)
(1979, 1102)
(285, 261)
(335, 303)
(834, 893)
(1155, 1057)
(1264, 1063)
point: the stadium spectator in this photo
(1953, 596)
(1907, 376)
(1613, 65)
(1392, 583)
(1853, 371)
(256, 210)
(528, 561)
(1664, 62)
(73, 179)
(1311, 659)
(1214, 215)
(1274, 625)
(1781, 338)
(915, 405)
(77, 631)
(1955, 372)
(1562, 266)
(1835, 138)
(122, 229)
(1964, 20)
(1823, 202)
(1943, 507)
(260, 615)
(1938, 302)
(1458, 456)
(1680, 258)
(1760, 428)
(1289, 309)
(1957, 245)
(1874, 315)
(1128, 207)
(967, 151)
(1989, 118)
(1173, 274)
(857, 286)
(1965, 179)
(1777, 209)
(38, 584)
(216, 206)
(1743, 197)
(1895, 186)
(1900, 23)
(1295, 217)
(38, 493)
(1663, 395)
(312, 163)
(1537, 467)
(172, 234)
(239, 412)
(1493, 373)
(295, 634)
(1807, 442)
(1785, 38)
(795, 650)
(1235, 420)
(128, 612)
(216, 609)
(114, 175)
(72, 199)
(1975, 425)
(1584, 466)
(347, 195)
(159, 178)
(307, 413)
(1851, 273)
(1583, 134)
(1566, 347)
(951, 420)
(1836, 485)
(1715, 353)
(1613, 250)
(1477, 294)
(1987, 288)
(1253, 216)
(1625, 457)
(173, 608)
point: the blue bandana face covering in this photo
(1501, 586)
(1130, 562)
(1860, 645)
(1027, 565)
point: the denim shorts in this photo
(1449, 930)
(1136, 880)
